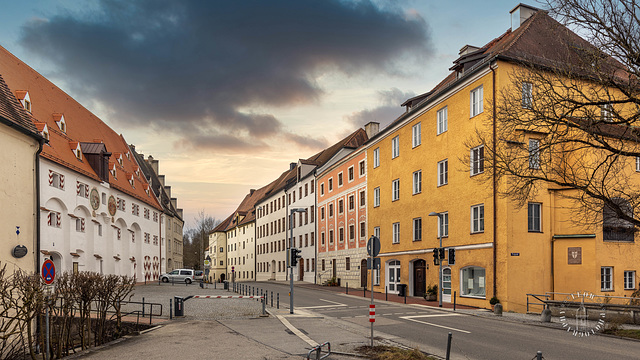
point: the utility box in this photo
(402, 290)
(226, 285)
(178, 306)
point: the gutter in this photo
(494, 181)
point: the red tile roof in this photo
(12, 111)
(49, 103)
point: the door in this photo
(273, 269)
(419, 278)
(301, 269)
(446, 285)
(363, 273)
(334, 268)
(393, 276)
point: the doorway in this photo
(393, 276)
(446, 285)
(334, 268)
(363, 273)
(419, 277)
(273, 269)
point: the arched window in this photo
(613, 227)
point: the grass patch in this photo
(381, 352)
(628, 333)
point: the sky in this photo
(227, 93)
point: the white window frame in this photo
(477, 218)
(442, 120)
(443, 224)
(527, 95)
(351, 173)
(417, 229)
(443, 172)
(606, 111)
(396, 233)
(376, 157)
(606, 278)
(376, 197)
(534, 224)
(362, 168)
(417, 182)
(478, 289)
(376, 231)
(629, 279)
(534, 154)
(56, 180)
(476, 100)
(340, 179)
(363, 195)
(416, 132)
(329, 187)
(395, 147)
(395, 190)
(477, 160)
(637, 163)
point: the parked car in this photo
(199, 275)
(179, 275)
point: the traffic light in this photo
(452, 256)
(295, 255)
(441, 253)
(436, 258)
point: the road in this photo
(474, 337)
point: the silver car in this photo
(178, 275)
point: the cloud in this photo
(195, 67)
(387, 111)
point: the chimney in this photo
(292, 166)
(167, 189)
(180, 213)
(467, 49)
(161, 178)
(174, 202)
(520, 13)
(251, 191)
(372, 128)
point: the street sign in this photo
(207, 263)
(373, 246)
(233, 268)
(48, 272)
(376, 263)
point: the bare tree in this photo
(572, 125)
(196, 239)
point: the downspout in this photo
(37, 158)
(315, 228)
(494, 190)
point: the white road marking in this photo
(332, 302)
(335, 304)
(411, 318)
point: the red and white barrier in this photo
(226, 297)
(372, 313)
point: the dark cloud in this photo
(194, 67)
(387, 111)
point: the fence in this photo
(625, 309)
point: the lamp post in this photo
(292, 211)
(440, 222)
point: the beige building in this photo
(218, 251)
(20, 142)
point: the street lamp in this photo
(291, 243)
(440, 222)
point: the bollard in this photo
(278, 298)
(405, 296)
(448, 346)
(539, 355)
(215, 285)
(170, 309)
(264, 300)
(272, 299)
(497, 309)
(386, 294)
(364, 292)
(546, 315)
(143, 307)
(454, 301)
(347, 288)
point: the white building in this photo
(301, 195)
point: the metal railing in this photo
(318, 352)
(607, 302)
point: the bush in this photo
(432, 290)
(494, 300)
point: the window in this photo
(341, 235)
(443, 172)
(416, 132)
(376, 277)
(417, 229)
(376, 157)
(80, 225)
(99, 229)
(330, 185)
(56, 180)
(347, 264)
(362, 168)
(350, 174)
(443, 120)
(395, 185)
(638, 163)
(340, 206)
(417, 182)
(534, 154)
(476, 101)
(472, 281)
(376, 197)
(477, 218)
(323, 267)
(534, 222)
(322, 238)
(312, 211)
(629, 280)
(376, 231)
(477, 160)
(352, 201)
(352, 232)
(82, 189)
(322, 213)
(615, 228)
(330, 210)
(396, 233)
(527, 96)
(363, 230)
(339, 179)
(395, 147)
(607, 112)
(606, 278)
(321, 190)
(443, 222)
(312, 186)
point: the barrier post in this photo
(143, 306)
(448, 346)
(170, 309)
(278, 298)
(263, 306)
(454, 301)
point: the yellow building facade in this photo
(430, 161)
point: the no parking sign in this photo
(48, 272)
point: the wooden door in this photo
(363, 273)
(419, 279)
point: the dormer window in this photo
(43, 129)
(119, 157)
(147, 190)
(25, 100)
(137, 171)
(77, 151)
(62, 124)
(112, 170)
(130, 178)
(127, 155)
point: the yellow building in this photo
(432, 160)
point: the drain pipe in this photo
(495, 196)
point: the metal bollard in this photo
(170, 309)
(143, 307)
(454, 301)
(364, 292)
(278, 301)
(347, 288)
(539, 355)
(448, 346)
(405, 295)
(386, 294)
(264, 300)
(272, 299)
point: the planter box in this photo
(430, 297)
